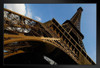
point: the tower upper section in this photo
(76, 18)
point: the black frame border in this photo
(53, 2)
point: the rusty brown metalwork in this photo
(21, 33)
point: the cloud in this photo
(29, 13)
(19, 8)
(38, 18)
(22, 9)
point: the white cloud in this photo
(29, 13)
(38, 18)
(22, 9)
(19, 8)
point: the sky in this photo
(63, 12)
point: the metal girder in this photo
(16, 38)
(14, 53)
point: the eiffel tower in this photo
(27, 41)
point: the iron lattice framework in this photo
(62, 43)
